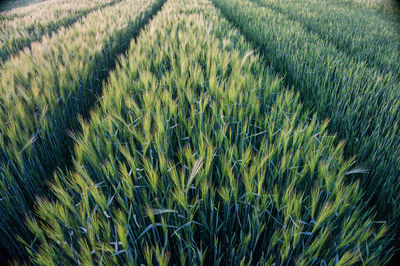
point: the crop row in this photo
(376, 9)
(362, 36)
(21, 32)
(26, 10)
(362, 104)
(197, 154)
(43, 90)
(385, 8)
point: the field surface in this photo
(211, 132)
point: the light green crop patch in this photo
(43, 90)
(197, 154)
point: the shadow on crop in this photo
(10, 4)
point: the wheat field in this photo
(200, 132)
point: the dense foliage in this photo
(43, 90)
(218, 132)
(22, 31)
(361, 101)
(354, 31)
(197, 154)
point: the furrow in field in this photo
(362, 37)
(42, 92)
(197, 154)
(19, 33)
